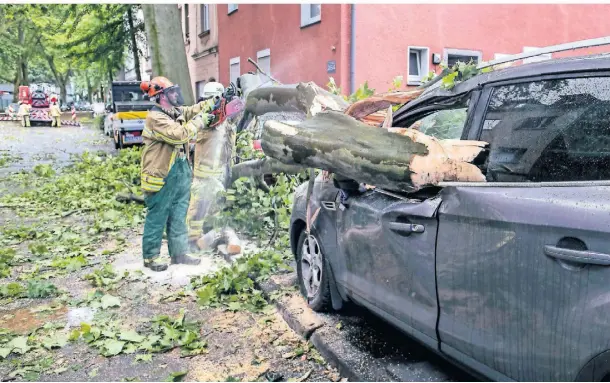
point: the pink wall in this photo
(297, 54)
(384, 31)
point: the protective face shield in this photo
(174, 95)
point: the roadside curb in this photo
(326, 338)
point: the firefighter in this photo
(166, 175)
(24, 113)
(55, 114)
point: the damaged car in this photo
(509, 277)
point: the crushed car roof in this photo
(590, 63)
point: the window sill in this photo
(414, 82)
(311, 24)
(204, 34)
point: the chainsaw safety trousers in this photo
(167, 211)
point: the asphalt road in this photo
(28, 147)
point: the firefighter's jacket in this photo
(55, 111)
(24, 110)
(166, 135)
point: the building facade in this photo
(293, 42)
(377, 42)
(200, 29)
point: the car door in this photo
(387, 242)
(522, 261)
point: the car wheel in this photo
(313, 273)
(116, 144)
(121, 144)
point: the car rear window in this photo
(551, 130)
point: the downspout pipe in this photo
(352, 50)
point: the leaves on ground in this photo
(176, 376)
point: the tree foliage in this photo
(56, 42)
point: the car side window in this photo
(549, 131)
(446, 123)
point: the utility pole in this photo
(166, 41)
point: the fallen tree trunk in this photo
(255, 168)
(307, 98)
(340, 144)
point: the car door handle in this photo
(579, 256)
(406, 227)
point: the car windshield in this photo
(128, 93)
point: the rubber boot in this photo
(154, 265)
(185, 260)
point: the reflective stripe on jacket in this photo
(163, 138)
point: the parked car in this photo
(508, 278)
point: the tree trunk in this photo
(256, 168)
(134, 46)
(306, 98)
(164, 34)
(18, 65)
(24, 72)
(340, 144)
(89, 87)
(62, 91)
(16, 86)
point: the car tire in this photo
(121, 144)
(116, 144)
(314, 287)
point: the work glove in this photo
(204, 119)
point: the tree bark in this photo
(256, 168)
(340, 144)
(60, 79)
(89, 87)
(164, 34)
(24, 72)
(16, 86)
(134, 46)
(307, 98)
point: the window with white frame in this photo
(205, 17)
(452, 56)
(264, 62)
(199, 88)
(234, 70)
(310, 14)
(232, 8)
(185, 8)
(418, 64)
(544, 57)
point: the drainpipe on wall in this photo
(352, 50)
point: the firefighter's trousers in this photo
(56, 121)
(25, 121)
(167, 210)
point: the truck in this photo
(127, 112)
(40, 102)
